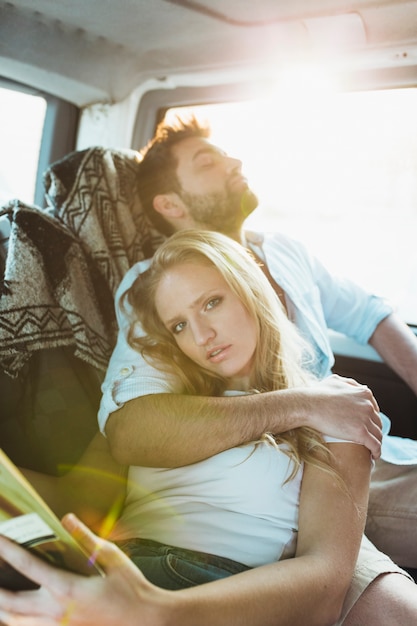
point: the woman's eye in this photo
(211, 304)
(178, 328)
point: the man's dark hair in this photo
(157, 170)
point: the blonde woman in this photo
(284, 514)
(212, 321)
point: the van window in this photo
(22, 118)
(337, 172)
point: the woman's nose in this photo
(203, 333)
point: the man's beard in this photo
(222, 212)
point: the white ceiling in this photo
(99, 50)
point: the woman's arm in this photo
(332, 519)
(308, 589)
(94, 488)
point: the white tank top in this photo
(234, 504)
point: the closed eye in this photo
(209, 157)
(205, 161)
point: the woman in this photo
(213, 320)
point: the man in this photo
(185, 182)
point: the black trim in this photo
(58, 138)
(393, 395)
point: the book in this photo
(27, 519)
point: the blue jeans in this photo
(177, 568)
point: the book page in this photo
(26, 519)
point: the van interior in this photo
(319, 96)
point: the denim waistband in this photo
(161, 549)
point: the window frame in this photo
(154, 104)
(59, 132)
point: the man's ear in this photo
(169, 205)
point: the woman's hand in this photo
(122, 596)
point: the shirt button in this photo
(125, 371)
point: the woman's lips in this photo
(217, 354)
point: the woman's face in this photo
(208, 321)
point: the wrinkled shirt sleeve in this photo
(319, 301)
(322, 300)
(348, 308)
(128, 375)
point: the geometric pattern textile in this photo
(93, 192)
(50, 295)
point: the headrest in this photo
(94, 193)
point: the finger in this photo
(346, 379)
(10, 619)
(376, 454)
(373, 440)
(372, 399)
(102, 552)
(376, 432)
(368, 441)
(31, 566)
(369, 434)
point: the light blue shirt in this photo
(316, 301)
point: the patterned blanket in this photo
(64, 264)
(94, 193)
(50, 295)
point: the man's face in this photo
(212, 186)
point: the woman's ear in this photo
(169, 205)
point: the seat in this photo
(60, 267)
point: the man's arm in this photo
(172, 430)
(148, 425)
(309, 588)
(396, 343)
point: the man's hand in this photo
(341, 407)
(172, 430)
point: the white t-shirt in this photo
(234, 504)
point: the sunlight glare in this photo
(301, 79)
(330, 171)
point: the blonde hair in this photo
(281, 355)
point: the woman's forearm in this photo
(310, 588)
(94, 488)
(295, 592)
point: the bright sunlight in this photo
(337, 171)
